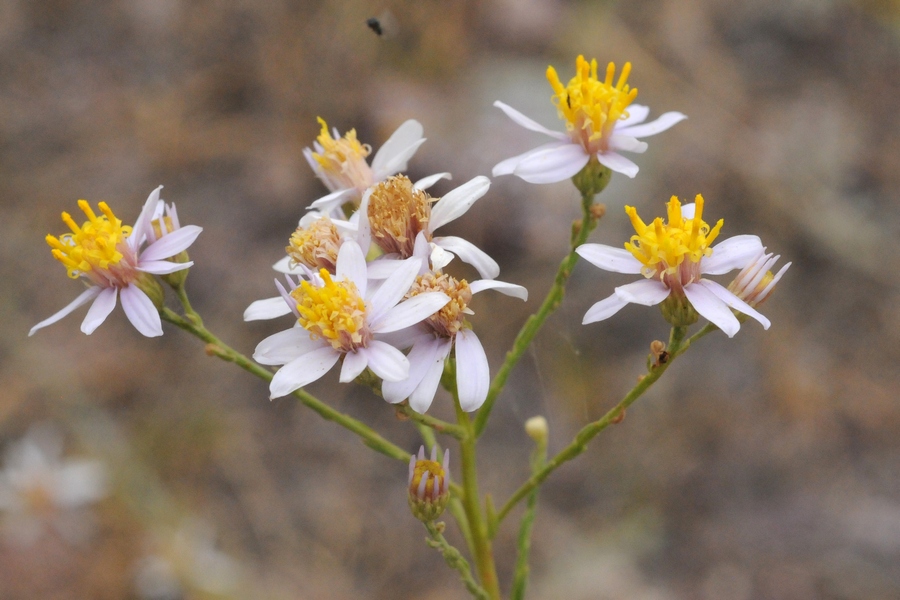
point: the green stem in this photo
(588, 432)
(218, 348)
(580, 231)
(520, 578)
(454, 559)
(426, 421)
(478, 531)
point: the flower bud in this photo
(429, 485)
(536, 428)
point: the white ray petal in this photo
(386, 361)
(647, 292)
(163, 267)
(422, 397)
(393, 289)
(354, 364)
(473, 377)
(664, 122)
(83, 298)
(302, 371)
(139, 231)
(553, 165)
(171, 244)
(619, 141)
(140, 311)
(351, 265)
(528, 122)
(456, 202)
(637, 113)
(427, 182)
(103, 304)
(734, 253)
(509, 289)
(604, 309)
(420, 358)
(608, 258)
(283, 347)
(410, 312)
(398, 149)
(508, 166)
(734, 302)
(469, 253)
(618, 163)
(269, 308)
(712, 309)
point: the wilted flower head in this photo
(110, 256)
(600, 122)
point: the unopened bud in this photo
(537, 429)
(429, 485)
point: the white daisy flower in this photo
(600, 121)
(109, 256)
(39, 490)
(434, 338)
(672, 257)
(340, 163)
(398, 212)
(338, 318)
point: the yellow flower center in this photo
(98, 249)
(343, 160)
(335, 312)
(433, 483)
(451, 318)
(397, 213)
(315, 246)
(672, 251)
(589, 106)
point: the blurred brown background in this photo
(760, 467)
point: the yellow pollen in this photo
(590, 106)
(397, 213)
(663, 247)
(435, 478)
(93, 246)
(315, 246)
(335, 311)
(339, 151)
(451, 318)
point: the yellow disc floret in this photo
(97, 249)
(451, 318)
(398, 212)
(669, 249)
(590, 106)
(342, 160)
(334, 311)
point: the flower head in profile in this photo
(398, 212)
(673, 256)
(340, 162)
(428, 486)
(600, 121)
(41, 490)
(110, 258)
(337, 318)
(755, 283)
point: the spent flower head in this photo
(600, 122)
(113, 261)
(673, 256)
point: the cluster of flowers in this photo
(364, 270)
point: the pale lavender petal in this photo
(734, 253)
(768, 289)
(140, 311)
(734, 302)
(553, 165)
(618, 141)
(456, 202)
(712, 309)
(420, 358)
(618, 163)
(653, 127)
(422, 397)
(163, 267)
(646, 291)
(171, 244)
(604, 309)
(285, 346)
(384, 266)
(83, 298)
(469, 253)
(351, 265)
(302, 371)
(608, 258)
(331, 201)
(637, 113)
(99, 310)
(397, 150)
(139, 231)
(427, 182)
(354, 364)
(393, 289)
(386, 361)
(406, 337)
(473, 377)
(410, 312)
(527, 122)
(509, 289)
(508, 166)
